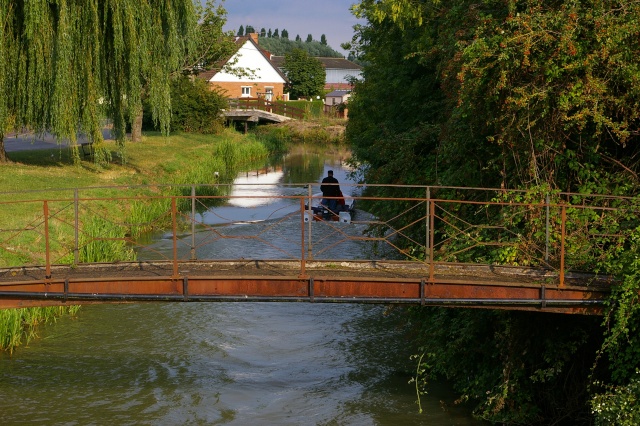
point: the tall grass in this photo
(104, 241)
(18, 326)
(148, 215)
(321, 133)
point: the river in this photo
(224, 363)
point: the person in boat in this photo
(330, 192)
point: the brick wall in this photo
(234, 90)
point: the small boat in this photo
(344, 213)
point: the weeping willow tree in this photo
(67, 64)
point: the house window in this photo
(246, 91)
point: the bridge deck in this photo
(428, 234)
(320, 281)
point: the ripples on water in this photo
(218, 363)
(222, 363)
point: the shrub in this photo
(194, 108)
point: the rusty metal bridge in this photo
(263, 243)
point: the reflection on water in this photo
(289, 176)
(223, 363)
(255, 185)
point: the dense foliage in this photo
(194, 107)
(542, 96)
(64, 64)
(210, 43)
(306, 74)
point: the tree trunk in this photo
(136, 128)
(3, 153)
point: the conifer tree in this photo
(241, 31)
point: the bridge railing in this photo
(275, 107)
(433, 225)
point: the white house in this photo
(247, 73)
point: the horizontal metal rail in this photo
(480, 227)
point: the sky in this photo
(299, 17)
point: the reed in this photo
(104, 241)
(146, 216)
(18, 326)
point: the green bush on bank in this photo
(194, 108)
(325, 132)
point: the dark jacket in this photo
(330, 190)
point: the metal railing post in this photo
(546, 249)
(564, 219)
(310, 249)
(427, 236)
(76, 242)
(174, 223)
(47, 253)
(193, 222)
(432, 214)
(302, 259)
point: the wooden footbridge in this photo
(256, 110)
(262, 243)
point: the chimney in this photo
(254, 37)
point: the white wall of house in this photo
(340, 75)
(336, 100)
(249, 58)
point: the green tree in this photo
(263, 32)
(249, 30)
(194, 107)
(309, 38)
(285, 33)
(275, 33)
(269, 33)
(298, 37)
(64, 65)
(281, 46)
(306, 74)
(240, 31)
(323, 39)
(211, 43)
(521, 94)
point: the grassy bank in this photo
(177, 159)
